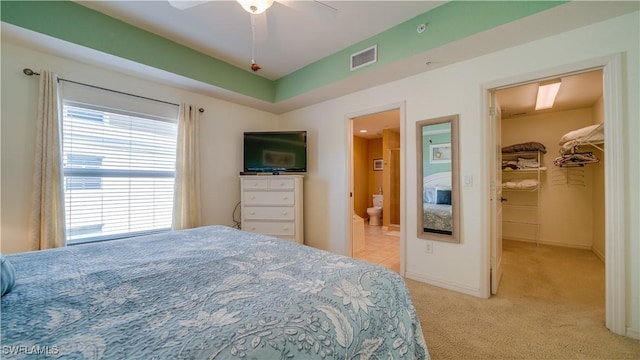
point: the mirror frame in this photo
(455, 188)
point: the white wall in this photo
(460, 89)
(221, 129)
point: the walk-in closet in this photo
(553, 192)
(553, 166)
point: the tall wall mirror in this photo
(438, 190)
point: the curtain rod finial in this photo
(29, 72)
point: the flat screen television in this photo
(275, 151)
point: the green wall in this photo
(439, 138)
(77, 24)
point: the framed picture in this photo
(377, 164)
(440, 153)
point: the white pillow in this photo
(429, 195)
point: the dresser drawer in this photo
(269, 198)
(269, 213)
(281, 183)
(270, 228)
(256, 184)
(275, 183)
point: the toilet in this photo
(375, 212)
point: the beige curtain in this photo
(186, 198)
(47, 211)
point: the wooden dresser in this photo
(272, 205)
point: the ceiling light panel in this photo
(547, 95)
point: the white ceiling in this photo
(374, 124)
(298, 32)
(577, 91)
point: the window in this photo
(77, 161)
(119, 171)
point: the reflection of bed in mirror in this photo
(436, 190)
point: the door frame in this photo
(349, 176)
(615, 237)
(495, 115)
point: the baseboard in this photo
(598, 254)
(633, 333)
(595, 251)
(551, 243)
(444, 284)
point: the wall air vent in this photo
(365, 57)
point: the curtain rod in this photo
(30, 72)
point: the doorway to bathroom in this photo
(376, 167)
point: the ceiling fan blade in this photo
(260, 28)
(311, 6)
(185, 4)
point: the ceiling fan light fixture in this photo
(547, 95)
(255, 6)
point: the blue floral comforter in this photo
(437, 217)
(207, 293)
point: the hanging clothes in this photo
(575, 159)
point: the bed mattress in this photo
(206, 293)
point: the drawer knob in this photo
(253, 228)
(253, 213)
(285, 213)
(285, 228)
(253, 197)
(285, 197)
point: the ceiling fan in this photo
(257, 10)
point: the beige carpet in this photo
(550, 305)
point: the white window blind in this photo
(119, 171)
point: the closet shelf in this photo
(524, 179)
(524, 206)
(542, 168)
(521, 222)
(522, 190)
(523, 154)
(592, 135)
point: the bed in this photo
(207, 293)
(437, 218)
(436, 203)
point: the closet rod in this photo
(30, 72)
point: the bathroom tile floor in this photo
(380, 247)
